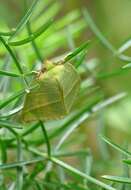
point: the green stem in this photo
(72, 170)
(46, 138)
(15, 59)
(19, 180)
(36, 50)
(12, 55)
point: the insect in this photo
(53, 99)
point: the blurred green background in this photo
(113, 18)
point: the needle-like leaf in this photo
(33, 36)
(117, 179)
(77, 51)
(12, 55)
(115, 146)
(25, 19)
(73, 170)
(5, 73)
(20, 163)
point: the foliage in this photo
(51, 155)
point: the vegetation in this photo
(60, 154)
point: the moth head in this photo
(48, 65)
(51, 68)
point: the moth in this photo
(58, 86)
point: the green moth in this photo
(58, 87)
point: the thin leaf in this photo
(20, 163)
(81, 174)
(97, 32)
(34, 45)
(124, 57)
(19, 178)
(77, 51)
(126, 170)
(117, 147)
(10, 124)
(102, 38)
(38, 185)
(73, 170)
(46, 138)
(71, 129)
(3, 151)
(11, 98)
(124, 70)
(56, 185)
(128, 161)
(74, 153)
(43, 7)
(117, 179)
(11, 130)
(88, 164)
(33, 36)
(81, 59)
(6, 33)
(127, 66)
(25, 19)
(109, 101)
(30, 130)
(10, 113)
(5, 73)
(125, 46)
(14, 96)
(12, 55)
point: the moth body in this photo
(53, 99)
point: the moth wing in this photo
(70, 82)
(44, 103)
